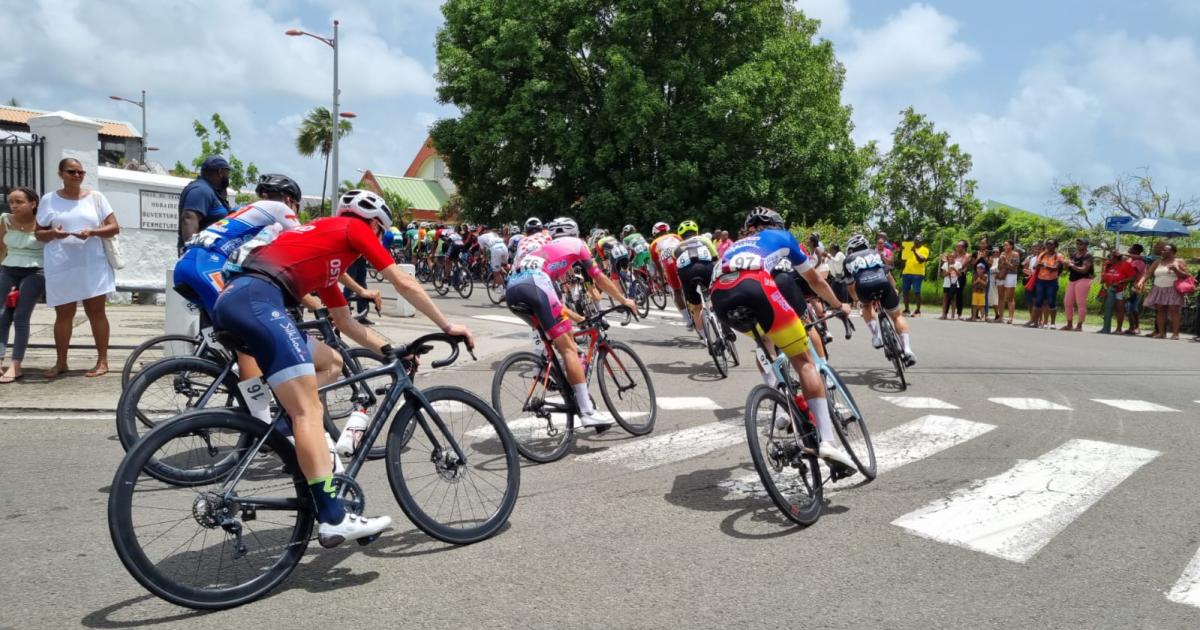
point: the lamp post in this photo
(142, 105)
(332, 42)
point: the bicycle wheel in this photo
(641, 297)
(730, 344)
(168, 388)
(892, 347)
(714, 342)
(161, 531)
(440, 283)
(454, 500)
(789, 471)
(658, 295)
(626, 388)
(422, 271)
(849, 422)
(344, 397)
(531, 404)
(495, 291)
(375, 275)
(154, 349)
(464, 284)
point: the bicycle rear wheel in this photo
(714, 342)
(641, 297)
(155, 349)
(849, 422)
(440, 283)
(788, 470)
(533, 406)
(626, 388)
(495, 291)
(893, 348)
(161, 531)
(168, 388)
(453, 500)
(464, 284)
(658, 295)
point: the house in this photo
(115, 140)
(426, 185)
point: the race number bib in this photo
(532, 264)
(744, 262)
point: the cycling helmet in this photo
(563, 226)
(857, 242)
(533, 225)
(763, 216)
(659, 228)
(599, 232)
(687, 227)
(412, 225)
(274, 183)
(627, 230)
(365, 204)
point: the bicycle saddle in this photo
(742, 319)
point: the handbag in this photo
(1185, 286)
(11, 300)
(112, 251)
(1030, 283)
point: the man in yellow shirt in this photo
(914, 256)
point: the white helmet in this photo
(563, 226)
(365, 204)
(857, 242)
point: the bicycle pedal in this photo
(363, 542)
(839, 471)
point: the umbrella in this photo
(1146, 227)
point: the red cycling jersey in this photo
(312, 257)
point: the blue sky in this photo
(1037, 92)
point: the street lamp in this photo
(332, 42)
(142, 105)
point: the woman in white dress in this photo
(71, 221)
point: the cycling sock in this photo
(324, 496)
(687, 317)
(582, 399)
(873, 325)
(905, 341)
(820, 412)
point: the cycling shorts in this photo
(200, 270)
(773, 316)
(793, 288)
(499, 256)
(453, 250)
(882, 291)
(252, 308)
(697, 273)
(641, 259)
(672, 275)
(545, 312)
(619, 264)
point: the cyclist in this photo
(536, 235)
(694, 258)
(453, 239)
(411, 237)
(662, 253)
(868, 274)
(636, 243)
(254, 307)
(744, 279)
(532, 287)
(617, 255)
(493, 246)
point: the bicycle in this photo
(495, 290)
(786, 459)
(222, 474)
(657, 289)
(893, 349)
(636, 290)
(202, 344)
(459, 279)
(718, 338)
(530, 390)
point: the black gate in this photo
(21, 164)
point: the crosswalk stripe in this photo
(671, 447)
(1187, 589)
(507, 319)
(1016, 513)
(1134, 405)
(676, 403)
(1030, 404)
(910, 442)
(918, 402)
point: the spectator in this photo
(913, 272)
(961, 264)
(1133, 293)
(1045, 296)
(950, 280)
(723, 242)
(1030, 269)
(837, 273)
(1008, 268)
(1081, 268)
(71, 221)
(203, 201)
(993, 290)
(1115, 276)
(20, 267)
(1166, 301)
(979, 287)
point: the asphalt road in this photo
(986, 516)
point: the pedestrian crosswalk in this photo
(1030, 404)
(1134, 405)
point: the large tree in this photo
(643, 111)
(1132, 194)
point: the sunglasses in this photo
(75, 172)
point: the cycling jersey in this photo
(662, 252)
(612, 248)
(230, 233)
(531, 243)
(410, 238)
(312, 257)
(640, 248)
(541, 269)
(488, 240)
(765, 250)
(697, 249)
(865, 267)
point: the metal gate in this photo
(21, 164)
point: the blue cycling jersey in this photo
(765, 250)
(228, 234)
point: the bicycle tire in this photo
(891, 341)
(465, 285)
(510, 398)
(422, 271)
(730, 339)
(400, 438)
(366, 360)
(439, 282)
(803, 512)
(642, 298)
(130, 413)
(605, 367)
(658, 294)
(849, 423)
(495, 291)
(123, 530)
(134, 364)
(712, 339)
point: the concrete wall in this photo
(146, 206)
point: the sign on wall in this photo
(159, 210)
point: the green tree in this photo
(641, 111)
(1132, 194)
(923, 181)
(218, 142)
(315, 135)
(399, 205)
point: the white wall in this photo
(146, 206)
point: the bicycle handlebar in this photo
(421, 345)
(830, 314)
(598, 318)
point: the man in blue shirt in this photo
(202, 202)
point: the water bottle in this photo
(352, 435)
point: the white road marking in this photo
(1030, 404)
(507, 319)
(1016, 513)
(62, 416)
(671, 447)
(918, 402)
(1187, 589)
(910, 442)
(675, 403)
(1134, 405)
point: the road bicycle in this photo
(893, 348)
(458, 278)
(636, 289)
(202, 344)
(530, 389)
(717, 337)
(786, 458)
(658, 291)
(211, 510)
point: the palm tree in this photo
(315, 135)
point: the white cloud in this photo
(915, 48)
(834, 14)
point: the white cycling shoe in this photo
(594, 421)
(783, 421)
(827, 450)
(877, 342)
(910, 359)
(352, 527)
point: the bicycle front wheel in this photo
(466, 284)
(168, 388)
(626, 388)
(533, 406)
(156, 349)
(459, 501)
(786, 466)
(210, 546)
(849, 422)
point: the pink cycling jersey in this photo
(544, 266)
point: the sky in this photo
(1037, 92)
